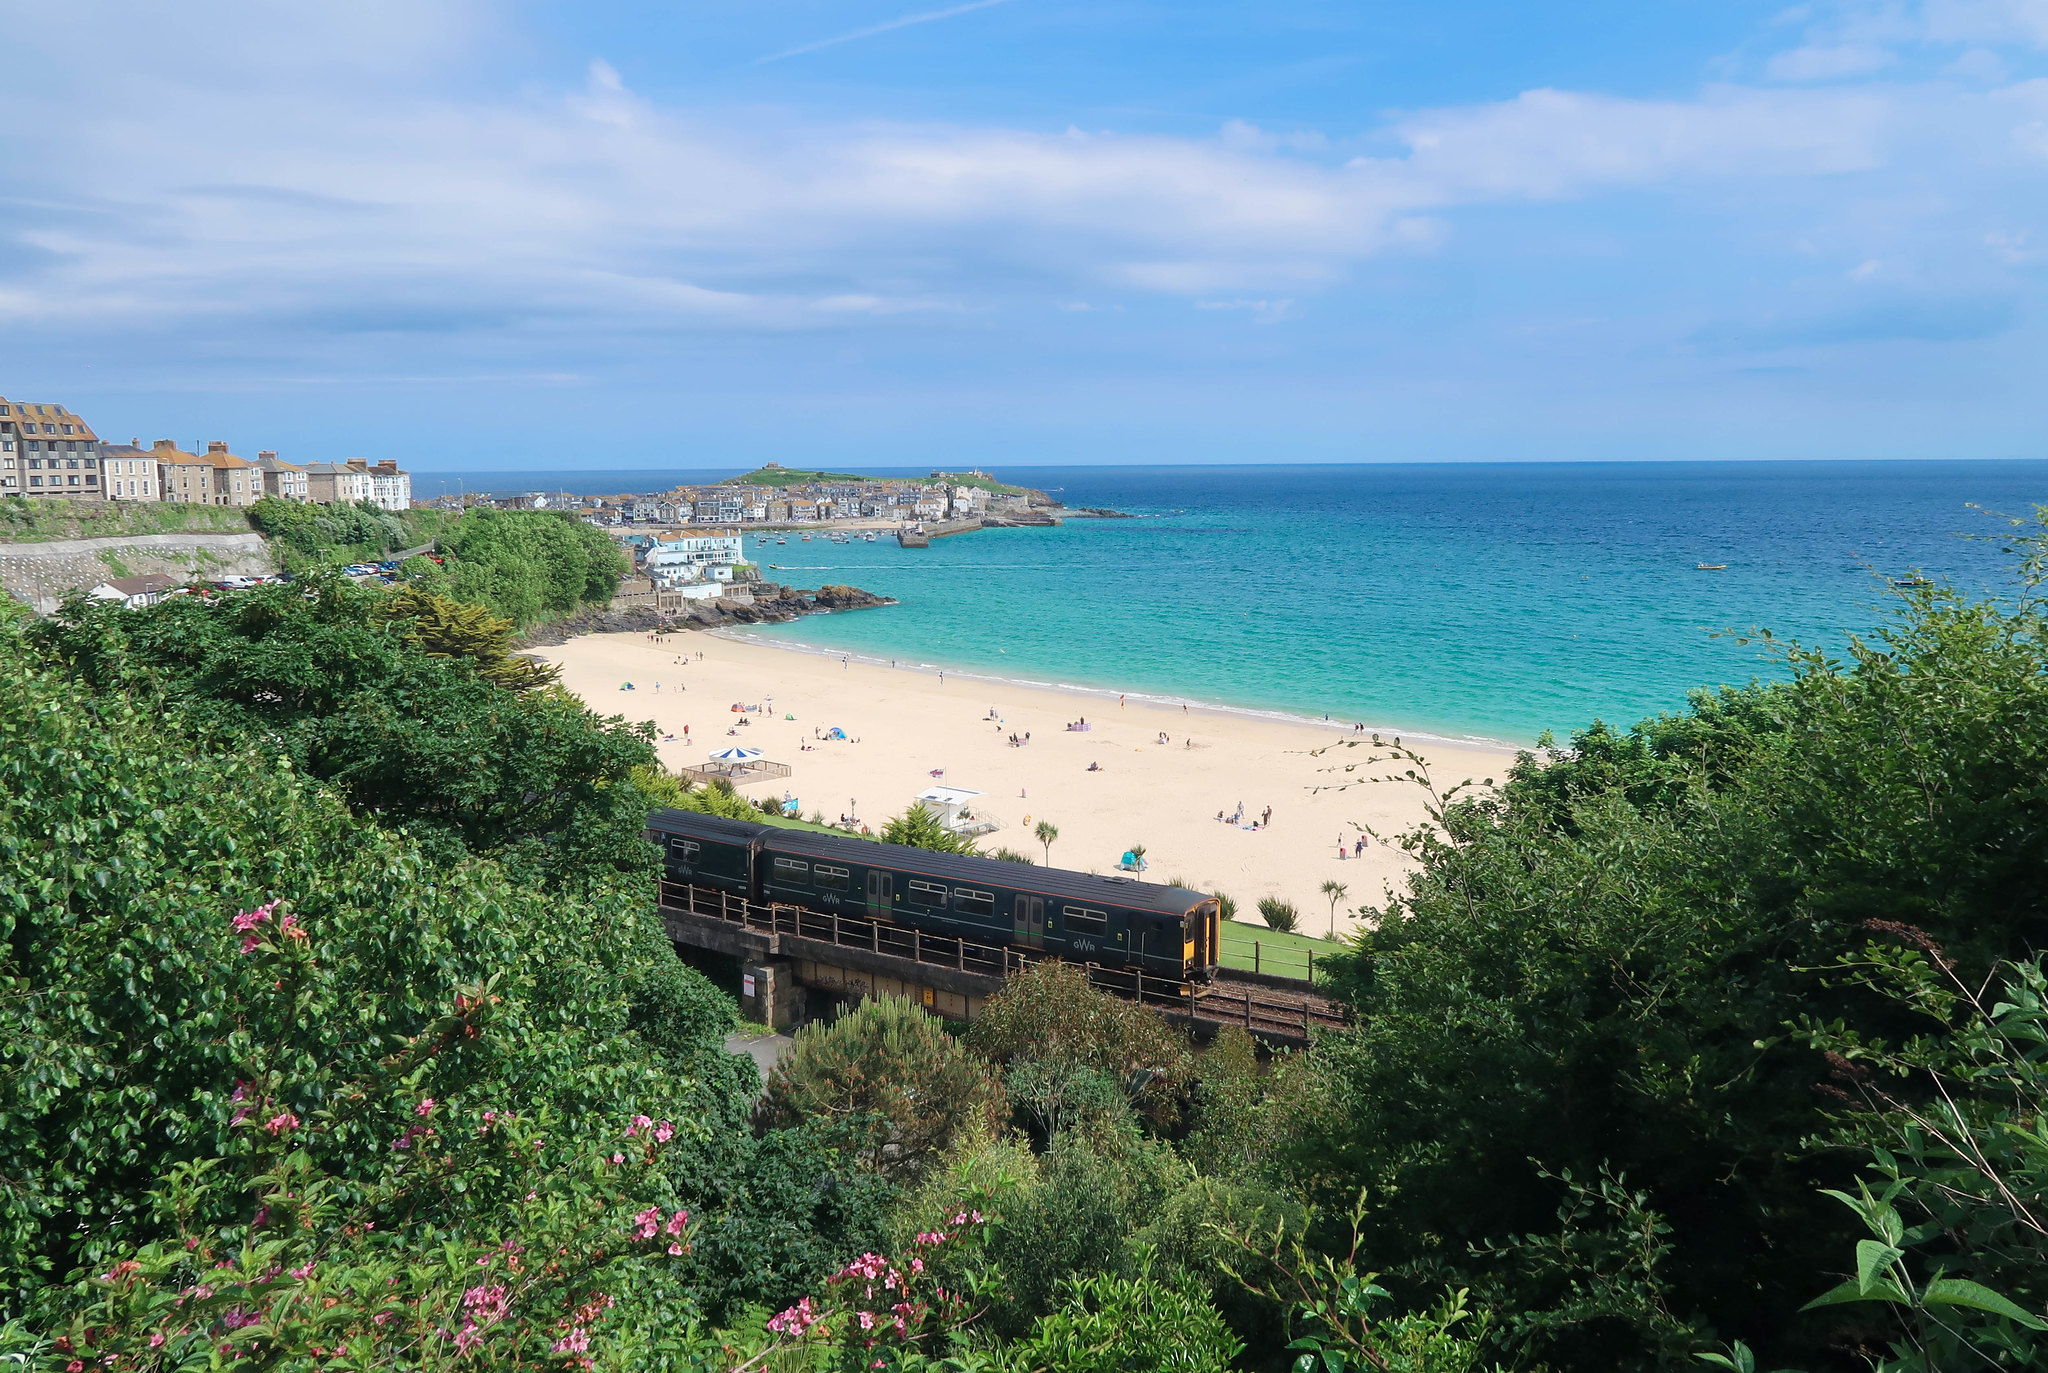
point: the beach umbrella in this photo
(735, 755)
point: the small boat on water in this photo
(1713, 567)
(782, 541)
(871, 537)
(807, 538)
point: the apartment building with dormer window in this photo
(45, 450)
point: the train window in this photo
(969, 902)
(684, 851)
(1080, 921)
(830, 878)
(928, 893)
(792, 870)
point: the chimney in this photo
(216, 446)
(267, 453)
(171, 444)
(389, 465)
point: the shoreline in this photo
(1473, 742)
(1250, 804)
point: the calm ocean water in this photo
(1490, 601)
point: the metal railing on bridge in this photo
(1279, 1014)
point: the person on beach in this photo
(1267, 818)
(1359, 850)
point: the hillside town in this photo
(777, 496)
(50, 452)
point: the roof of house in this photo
(32, 415)
(167, 450)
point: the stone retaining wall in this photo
(40, 574)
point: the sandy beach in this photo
(905, 725)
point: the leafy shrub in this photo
(1012, 856)
(888, 1081)
(1108, 1324)
(529, 565)
(1280, 915)
(1050, 1016)
(919, 828)
(1596, 965)
(379, 1069)
(419, 741)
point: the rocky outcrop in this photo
(1033, 519)
(771, 603)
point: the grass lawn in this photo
(1284, 955)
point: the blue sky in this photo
(472, 235)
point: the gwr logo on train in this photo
(1114, 922)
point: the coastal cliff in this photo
(768, 603)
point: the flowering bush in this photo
(879, 1313)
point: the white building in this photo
(694, 558)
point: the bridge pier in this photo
(771, 993)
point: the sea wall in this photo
(41, 574)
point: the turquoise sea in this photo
(1486, 601)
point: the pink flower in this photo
(236, 1318)
(867, 1320)
(618, 1158)
(241, 1090)
(250, 942)
(677, 1223)
(664, 1132)
(282, 1121)
(675, 1251)
(639, 1123)
(156, 1341)
(304, 1271)
(575, 1342)
(424, 1109)
(290, 927)
(646, 1223)
(917, 1265)
(249, 920)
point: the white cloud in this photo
(282, 183)
(1828, 62)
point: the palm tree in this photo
(1045, 831)
(1335, 890)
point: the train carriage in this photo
(1112, 921)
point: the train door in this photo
(1028, 921)
(881, 893)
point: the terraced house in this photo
(185, 478)
(45, 450)
(128, 472)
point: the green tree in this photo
(445, 628)
(920, 829)
(1050, 1016)
(422, 742)
(1045, 831)
(252, 1029)
(1336, 891)
(895, 1087)
(1594, 968)
(529, 565)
